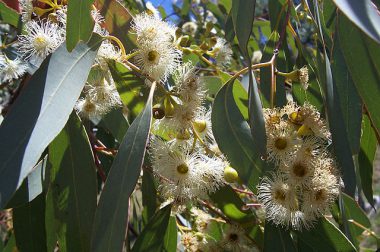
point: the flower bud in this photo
(296, 118)
(304, 131)
(230, 175)
(200, 125)
(213, 41)
(204, 46)
(209, 27)
(178, 32)
(184, 40)
(169, 106)
(158, 111)
(185, 135)
(186, 51)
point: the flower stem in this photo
(118, 42)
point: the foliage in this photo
(222, 126)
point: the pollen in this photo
(153, 56)
(182, 168)
(279, 195)
(281, 143)
(40, 43)
(299, 170)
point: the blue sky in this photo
(167, 4)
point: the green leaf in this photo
(368, 145)
(152, 237)
(276, 13)
(116, 123)
(131, 88)
(363, 14)
(350, 103)
(41, 111)
(9, 15)
(360, 54)
(112, 212)
(229, 29)
(149, 196)
(10, 245)
(277, 238)
(31, 187)
(233, 135)
(73, 186)
(312, 95)
(117, 20)
(339, 136)
(185, 9)
(80, 23)
(355, 214)
(324, 236)
(242, 13)
(231, 205)
(171, 235)
(212, 84)
(29, 225)
(256, 117)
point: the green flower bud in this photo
(230, 175)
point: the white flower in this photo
(152, 10)
(98, 20)
(157, 60)
(190, 28)
(184, 175)
(303, 75)
(281, 143)
(173, 164)
(324, 189)
(62, 15)
(150, 28)
(26, 10)
(11, 69)
(105, 96)
(212, 173)
(223, 52)
(107, 51)
(300, 169)
(313, 121)
(180, 120)
(88, 109)
(178, 168)
(41, 39)
(190, 242)
(272, 117)
(188, 84)
(235, 239)
(202, 219)
(280, 202)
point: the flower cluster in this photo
(184, 155)
(188, 172)
(44, 32)
(306, 181)
(200, 238)
(157, 54)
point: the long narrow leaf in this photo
(41, 111)
(112, 213)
